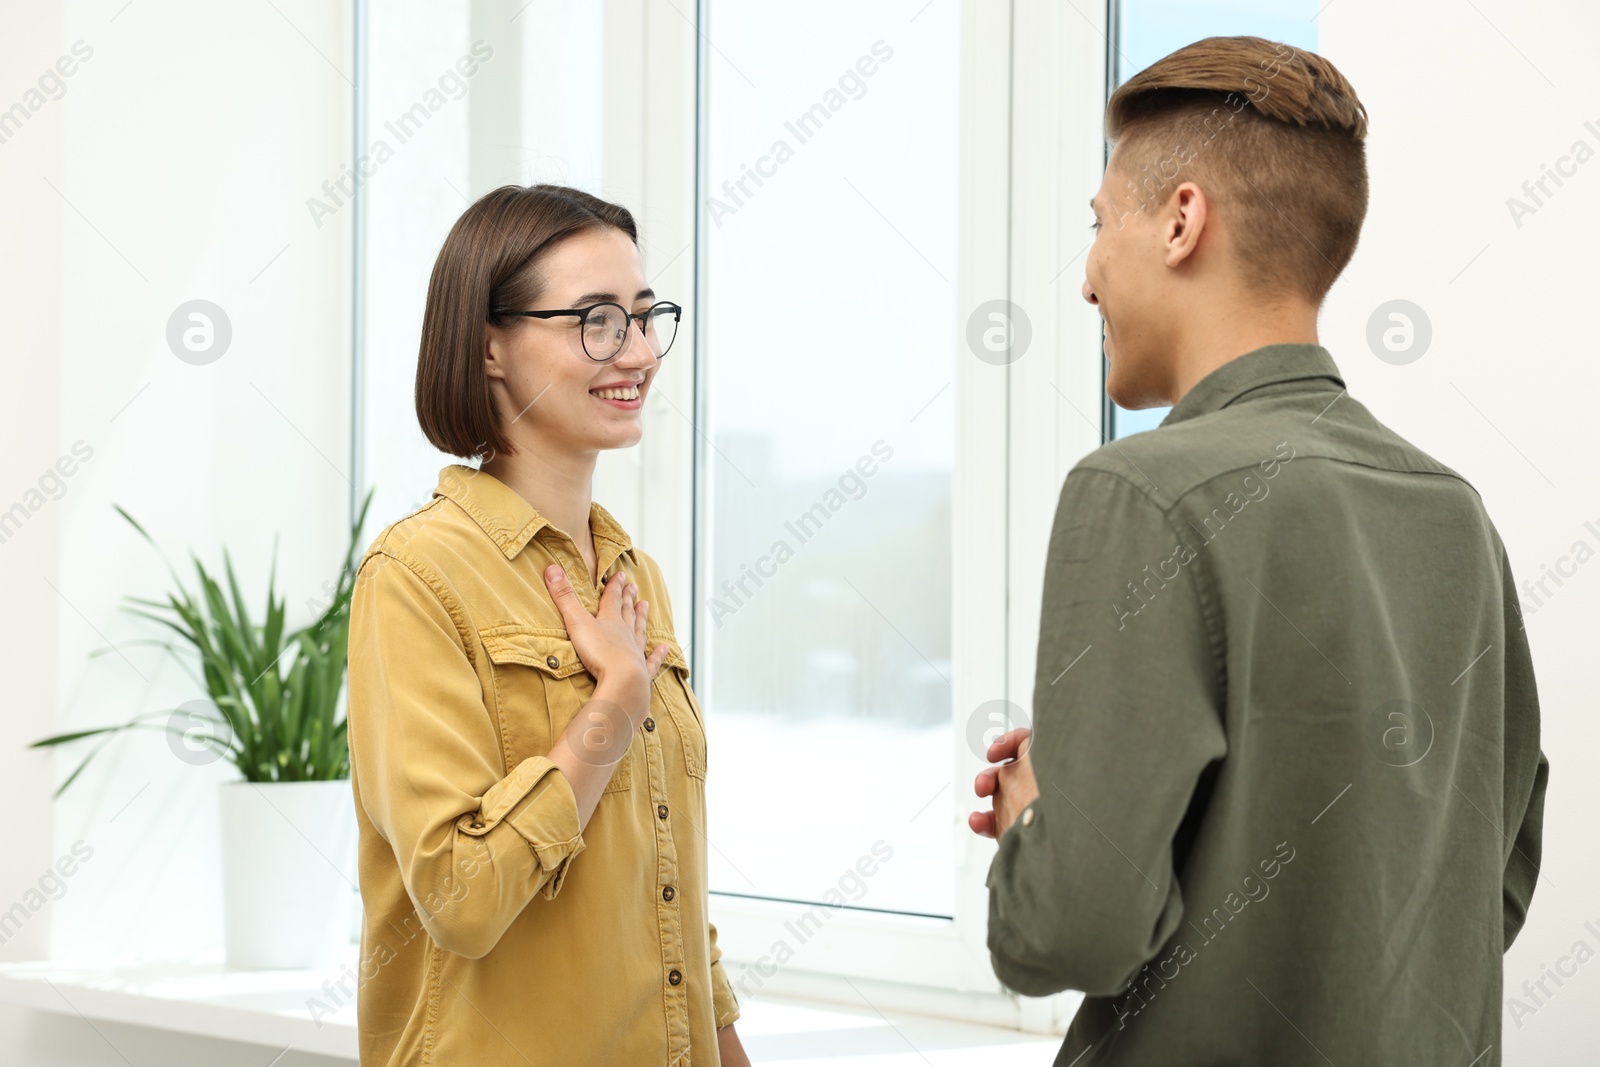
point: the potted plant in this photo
(274, 709)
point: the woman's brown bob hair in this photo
(488, 267)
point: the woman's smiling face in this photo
(548, 394)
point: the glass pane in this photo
(1150, 29)
(824, 581)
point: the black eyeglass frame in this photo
(583, 323)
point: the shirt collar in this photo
(1269, 365)
(509, 520)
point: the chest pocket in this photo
(540, 685)
(672, 688)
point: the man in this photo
(1282, 801)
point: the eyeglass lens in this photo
(606, 330)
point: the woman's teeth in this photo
(630, 392)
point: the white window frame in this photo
(1033, 77)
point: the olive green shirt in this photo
(1286, 737)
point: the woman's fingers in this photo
(573, 613)
(611, 594)
(641, 616)
(657, 657)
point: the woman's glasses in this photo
(604, 327)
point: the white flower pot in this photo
(288, 861)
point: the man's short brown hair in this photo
(487, 268)
(1276, 138)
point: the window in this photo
(850, 448)
(829, 225)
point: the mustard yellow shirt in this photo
(494, 931)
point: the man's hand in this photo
(1010, 783)
(731, 1051)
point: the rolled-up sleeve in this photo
(474, 846)
(1125, 720)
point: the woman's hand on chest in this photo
(611, 642)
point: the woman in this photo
(527, 757)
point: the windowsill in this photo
(202, 997)
(295, 1009)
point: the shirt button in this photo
(668, 893)
(675, 977)
(1027, 816)
(552, 662)
(661, 811)
(649, 724)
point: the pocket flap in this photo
(550, 651)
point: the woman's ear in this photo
(496, 352)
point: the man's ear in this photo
(1187, 214)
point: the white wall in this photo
(175, 166)
(1467, 102)
(30, 411)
